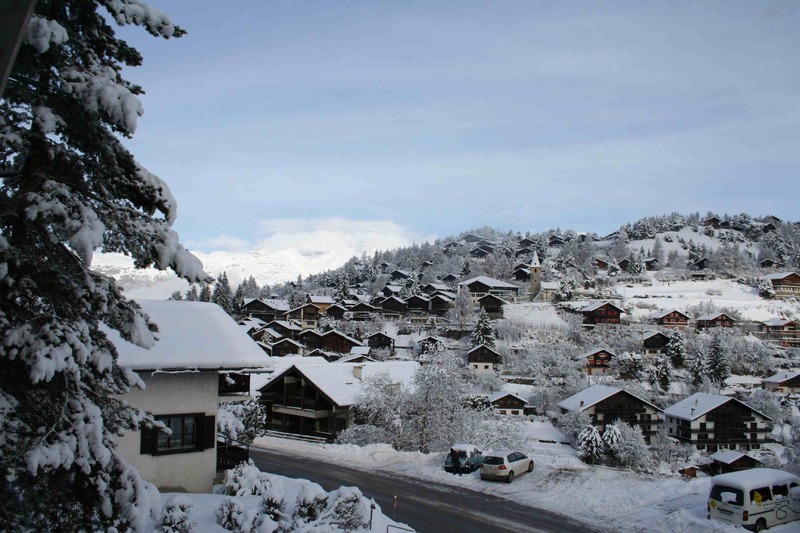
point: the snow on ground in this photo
(617, 500)
(722, 293)
(533, 314)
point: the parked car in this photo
(470, 458)
(505, 465)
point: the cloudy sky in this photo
(406, 120)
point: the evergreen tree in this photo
(69, 187)
(590, 445)
(719, 368)
(631, 449)
(222, 294)
(611, 438)
(176, 296)
(205, 293)
(237, 298)
(664, 370)
(676, 349)
(698, 365)
(483, 332)
(191, 293)
(462, 310)
(658, 252)
(465, 268)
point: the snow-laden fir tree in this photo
(698, 365)
(462, 310)
(483, 332)
(658, 253)
(664, 372)
(590, 445)
(676, 349)
(191, 293)
(205, 292)
(719, 368)
(222, 294)
(70, 187)
(611, 438)
(631, 450)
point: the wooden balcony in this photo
(234, 384)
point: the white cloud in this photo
(324, 235)
(222, 242)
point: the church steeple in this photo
(536, 278)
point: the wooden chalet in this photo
(508, 403)
(472, 238)
(670, 319)
(769, 227)
(770, 263)
(285, 328)
(482, 285)
(307, 315)
(394, 305)
(655, 343)
(726, 461)
(605, 405)
(337, 342)
(712, 422)
(493, 305)
(284, 347)
(391, 290)
(522, 274)
(450, 278)
(715, 320)
(783, 382)
(601, 313)
(311, 339)
(399, 275)
(600, 264)
(785, 284)
(598, 361)
(431, 288)
(363, 311)
(525, 242)
(651, 263)
(321, 301)
(481, 359)
(712, 222)
(556, 241)
(426, 264)
(380, 341)
(417, 304)
(266, 309)
(440, 304)
(336, 311)
(624, 264)
(780, 330)
(700, 264)
(480, 252)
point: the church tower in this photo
(536, 278)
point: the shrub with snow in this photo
(175, 515)
(234, 516)
(245, 480)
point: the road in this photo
(427, 506)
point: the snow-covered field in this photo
(616, 500)
(684, 294)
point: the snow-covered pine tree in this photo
(222, 294)
(205, 292)
(462, 309)
(191, 293)
(676, 349)
(483, 332)
(719, 368)
(698, 365)
(590, 445)
(658, 253)
(611, 441)
(70, 187)
(664, 372)
(631, 449)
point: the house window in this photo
(190, 432)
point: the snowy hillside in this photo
(266, 268)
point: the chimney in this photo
(581, 403)
(357, 369)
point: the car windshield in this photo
(493, 460)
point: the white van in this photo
(756, 499)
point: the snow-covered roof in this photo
(502, 394)
(350, 358)
(286, 324)
(338, 382)
(343, 335)
(438, 286)
(711, 316)
(490, 282)
(588, 397)
(782, 376)
(550, 286)
(663, 313)
(701, 403)
(276, 304)
(192, 335)
(597, 305)
(727, 456)
(755, 477)
(379, 333)
(319, 299)
(360, 350)
(653, 334)
(778, 321)
(779, 275)
(535, 261)
(594, 351)
(485, 347)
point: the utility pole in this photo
(14, 17)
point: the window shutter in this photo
(208, 433)
(148, 440)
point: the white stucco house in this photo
(196, 364)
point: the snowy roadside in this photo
(617, 500)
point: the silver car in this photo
(505, 465)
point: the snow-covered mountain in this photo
(266, 267)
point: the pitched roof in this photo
(502, 394)
(490, 282)
(727, 456)
(595, 394)
(535, 261)
(701, 403)
(778, 321)
(782, 376)
(664, 312)
(550, 286)
(712, 316)
(592, 352)
(275, 303)
(780, 275)
(485, 347)
(192, 335)
(320, 299)
(597, 305)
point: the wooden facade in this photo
(380, 340)
(266, 310)
(671, 319)
(786, 285)
(732, 425)
(719, 320)
(598, 361)
(601, 313)
(655, 344)
(508, 404)
(492, 305)
(307, 315)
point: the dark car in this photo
(470, 458)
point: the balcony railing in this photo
(234, 384)
(231, 452)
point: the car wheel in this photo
(530, 466)
(510, 478)
(761, 525)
